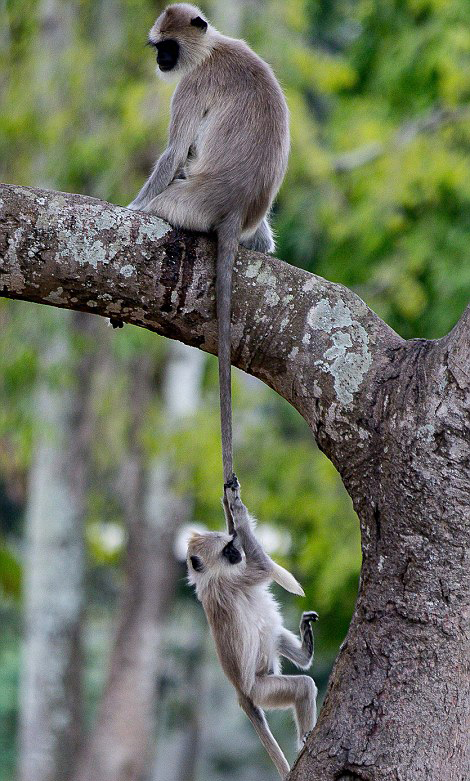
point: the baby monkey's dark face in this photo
(231, 552)
(212, 554)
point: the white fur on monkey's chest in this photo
(267, 622)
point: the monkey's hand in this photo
(234, 504)
(258, 565)
(226, 504)
(135, 206)
(230, 488)
(233, 483)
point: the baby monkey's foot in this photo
(306, 630)
(305, 737)
(309, 615)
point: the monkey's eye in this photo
(231, 553)
(196, 563)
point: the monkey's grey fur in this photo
(226, 157)
(231, 574)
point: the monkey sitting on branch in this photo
(226, 157)
(232, 573)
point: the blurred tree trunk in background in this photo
(51, 676)
(51, 699)
(194, 688)
(228, 17)
(184, 701)
(51, 77)
(119, 748)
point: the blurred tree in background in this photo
(377, 197)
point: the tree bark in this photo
(398, 703)
(393, 416)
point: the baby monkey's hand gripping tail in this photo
(226, 157)
(231, 574)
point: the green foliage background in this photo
(377, 197)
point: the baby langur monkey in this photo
(226, 156)
(231, 574)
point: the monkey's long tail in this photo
(258, 719)
(228, 235)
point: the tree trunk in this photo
(51, 701)
(119, 748)
(398, 702)
(393, 416)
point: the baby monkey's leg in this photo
(284, 691)
(299, 651)
(258, 719)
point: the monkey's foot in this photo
(310, 615)
(305, 737)
(306, 631)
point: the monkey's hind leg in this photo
(258, 719)
(180, 205)
(284, 691)
(261, 240)
(299, 651)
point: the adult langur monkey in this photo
(226, 157)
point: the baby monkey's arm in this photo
(258, 563)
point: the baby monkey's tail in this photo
(258, 719)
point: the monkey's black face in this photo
(231, 553)
(167, 54)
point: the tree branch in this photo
(316, 343)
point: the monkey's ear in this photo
(199, 22)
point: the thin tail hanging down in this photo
(228, 235)
(265, 735)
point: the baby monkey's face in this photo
(212, 553)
